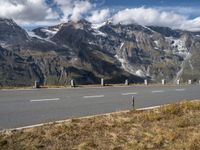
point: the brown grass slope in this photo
(175, 126)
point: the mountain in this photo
(87, 52)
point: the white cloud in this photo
(37, 12)
(191, 25)
(148, 16)
(73, 9)
(27, 11)
(99, 16)
(156, 17)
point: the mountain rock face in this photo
(87, 52)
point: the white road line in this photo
(129, 94)
(11, 90)
(149, 108)
(43, 100)
(94, 96)
(161, 91)
(180, 90)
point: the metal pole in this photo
(133, 102)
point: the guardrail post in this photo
(145, 82)
(102, 82)
(126, 82)
(189, 81)
(178, 82)
(72, 83)
(36, 84)
(163, 81)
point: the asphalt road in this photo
(20, 108)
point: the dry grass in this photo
(172, 127)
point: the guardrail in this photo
(126, 83)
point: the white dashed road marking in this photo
(129, 94)
(161, 91)
(180, 90)
(94, 96)
(43, 100)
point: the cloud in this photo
(99, 16)
(191, 25)
(156, 17)
(39, 12)
(73, 9)
(148, 16)
(27, 11)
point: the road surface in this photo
(20, 108)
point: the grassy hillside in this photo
(175, 126)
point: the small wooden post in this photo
(133, 102)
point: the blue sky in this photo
(137, 3)
(179, 14)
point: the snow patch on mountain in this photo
(129, 68)
(50, 33)
(97, 32)
(97, 26)
(179, 47)
(121, 45)
(156, 42)
(33, 35)
(140, 73)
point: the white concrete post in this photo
(178, 82)
(36, 84)
(72, 83)
(102, 82)
(189, 81)
(145, 82)
(126, 82)
(199, 81)
(163, 81)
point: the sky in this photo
(176, 14)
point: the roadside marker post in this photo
(163, 81)
(36, 84)
(145, 82)
(133, 102)
(126, 82)
(189, 81)
(102, 82)
(72, 83)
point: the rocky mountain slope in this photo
(87, 52)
